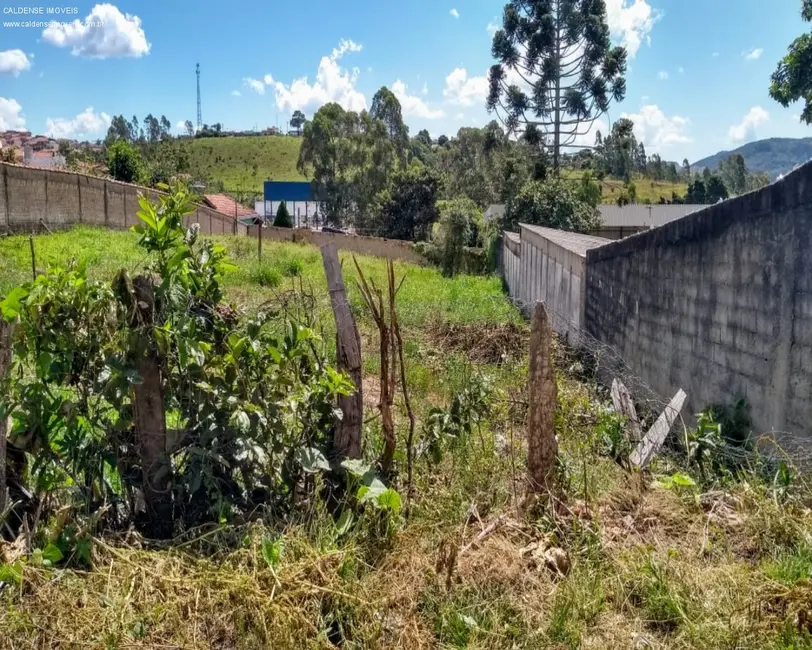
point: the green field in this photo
(243, 163)
(653, 560)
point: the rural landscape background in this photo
(242, 440)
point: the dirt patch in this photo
(482, 343)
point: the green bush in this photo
(124, 162)
(283, 219)
(460, 227)
(551, 203)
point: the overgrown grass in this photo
(651, 567)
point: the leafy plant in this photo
(706, 449)
(455, 425)
(243, 398)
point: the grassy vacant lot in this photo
(646, 188)
(653, 561)
(244, 163)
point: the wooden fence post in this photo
(542, 447)
(347, 441)
(150, 418)
(6, 332)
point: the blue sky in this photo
(697, 83)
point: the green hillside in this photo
(243, 163)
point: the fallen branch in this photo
(495, 525)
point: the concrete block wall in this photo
(718, 303)
(62, 199)
(375, 246)
(547, 265)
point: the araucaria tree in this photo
(557, 70)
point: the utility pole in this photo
(199, 111)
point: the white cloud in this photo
(630, 22)
(753, 54)
(11, 115)
(681, 70)
(464, 90)
(413, 105)
(454, 13)
(267, 79)
(459, 116)
(755, 117)
(237, 93)
(86, 123)
(345, 45)
(332, 84)
(106, 32)
(14, 62)
(644, 98)
(425, 90)
(492, 27)
(662, 75)
(181, 126)
(715, 54)
(254, 84)
(656, 130)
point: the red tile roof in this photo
(226, 205)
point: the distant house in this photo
(225, 204)
(46, 158)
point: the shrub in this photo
(553, 204)
(455, 232)
(124, 162)
(283, 219)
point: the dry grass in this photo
(650, 567)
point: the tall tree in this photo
(119, 129)
(557, 70)
(792, 79)
(387, 109)
(166, 128)
(189, 128)
(734, 173)
(153, 128)
(686, 168)
(297, 121)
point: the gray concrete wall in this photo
(543, 264)
(718, 303)
(63, 199)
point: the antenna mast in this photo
(199, 112)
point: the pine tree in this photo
(557, 70)
(283, 219)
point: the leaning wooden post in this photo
(347, 441)
(6, 332)
(542, 447)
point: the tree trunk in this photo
(6, 332)
(542, 446)
(557, 131)
(347, 440)
(150, 419)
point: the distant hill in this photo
(774, 156)
(243, 163)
